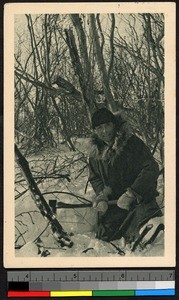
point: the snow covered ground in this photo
(81, 223)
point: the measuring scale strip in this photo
(91, 283)
(98, 275)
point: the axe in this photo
(54, 205)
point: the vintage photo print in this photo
(89, 157)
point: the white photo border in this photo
(169, 258)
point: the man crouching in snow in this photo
(122, 168)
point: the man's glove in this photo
(100, 203)
(126, 200)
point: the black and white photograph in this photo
(91, 143)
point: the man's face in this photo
(106, 132)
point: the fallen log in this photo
(58, 232)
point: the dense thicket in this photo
(68, 65)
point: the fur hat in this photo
(101, 116)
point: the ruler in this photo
(91, 283)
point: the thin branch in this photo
(41, 177)
(36, 239)
(27, 212)
(20, 235)
(67, 193)
(111, 45)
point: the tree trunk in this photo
(101, 64)
(64, 131)
(88, 86)
(87, 95)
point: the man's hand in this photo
(100, 203)
(100, 197)
(126, 200)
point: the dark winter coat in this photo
(128, 164)
(134, 167)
